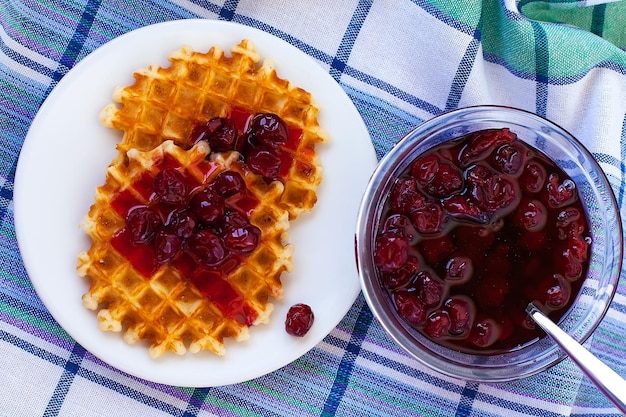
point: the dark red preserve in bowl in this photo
(472, 231)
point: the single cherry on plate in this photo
(299, 320)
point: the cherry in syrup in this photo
(474, 230)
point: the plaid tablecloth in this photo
(401, 62)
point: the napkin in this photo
(401, 62)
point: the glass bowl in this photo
(598, 286)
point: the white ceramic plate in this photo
(65, 156)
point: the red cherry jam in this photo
(265, 141)
(473, 231)
(202, 228)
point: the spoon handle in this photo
(606, 379)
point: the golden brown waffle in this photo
(165, 104)
(161, 304)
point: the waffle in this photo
(165, 103)
(180, 305)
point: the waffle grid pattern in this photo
(166, 103)
(167, 309)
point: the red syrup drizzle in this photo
(240, 117)
(211, 281)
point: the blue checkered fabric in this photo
(401, 62)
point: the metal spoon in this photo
(606, 379)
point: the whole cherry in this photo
(228, 183)
(410, 307)
(299, 320)
(219, 132)
(141, 223)
(391, 251)
(268, 129)
(207, 206)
